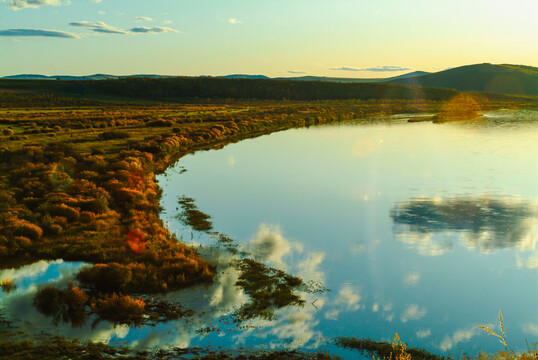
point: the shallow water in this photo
(417, 228)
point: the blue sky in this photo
(344, 38)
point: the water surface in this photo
(417, 228)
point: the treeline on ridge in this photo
(220, 88)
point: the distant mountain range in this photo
(335, 79)
(70, 77)
(504, 79)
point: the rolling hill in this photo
(504, 79)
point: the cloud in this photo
(427, 244)
(99, 26)
(349, 297)
(386, 68)
(234, 21)
(412, 312)
(461, 335)
(531, 329)
(23, 4)
(101, 12)
(309, 268)
(424, 333)
(167, 22)
(154, 30)
(296, 72)
(268, 245)
(38, 32)
(412, 278)
(96, 1)
(144, 18)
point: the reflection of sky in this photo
(332, 190)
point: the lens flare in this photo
(136, 241)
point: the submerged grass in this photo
(397, 350)
(61, 348)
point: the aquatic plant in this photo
(193, 217)
(268, 289)
(397, 350)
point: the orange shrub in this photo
(68, 212)
(27, 229)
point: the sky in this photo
(336, 38)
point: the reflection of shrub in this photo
(268, 288)
(63, 305)
(106, 277)
(120, 309)
(8, 284)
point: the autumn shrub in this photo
(95, 163)
(66, 211)
(31, 202)
(18, 137)
(55, 229)
(60, 220)
(120, 309)
(114, 134)
(89, 175)
(21, 241)
(86, 217)
(126, 196)
(6, 200)
(27, 229)
(46, 221)
(98, 206)
(7, 132)
(160, 123)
